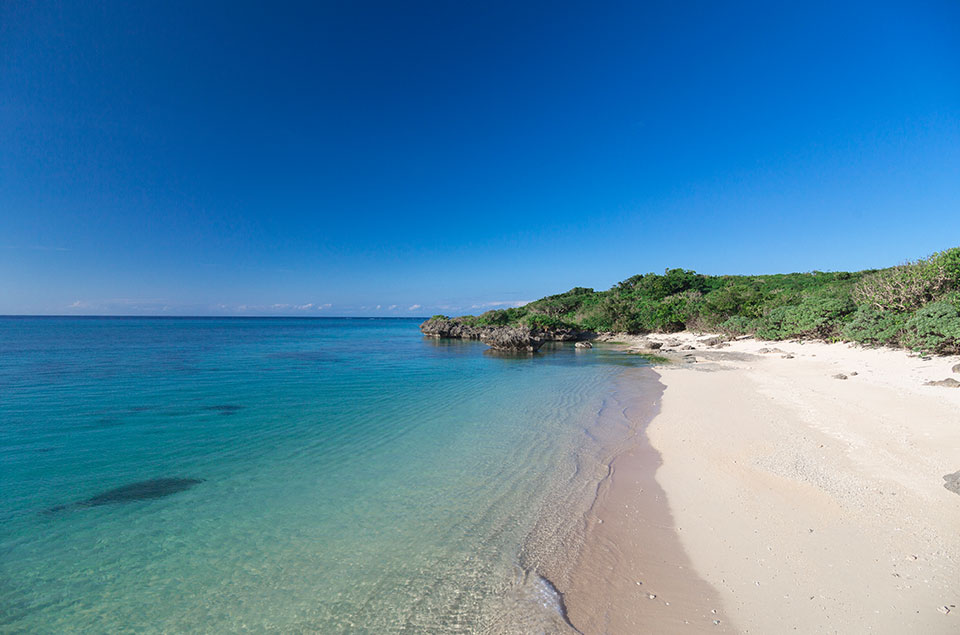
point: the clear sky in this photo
(409, 158)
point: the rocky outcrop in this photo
(445, 327)
(584, 345)
(507, 338)
(952, 482)
(649, 345)
(949, 382)
(714, 342)
(504, 338)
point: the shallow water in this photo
(338, 475)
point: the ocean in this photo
(293, 475)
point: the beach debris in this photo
(771, 350)
(952, 482)
(949, 382)
(687, 347)
(956, 368)
(839, 376)
(716, 622)
(583, 345)
(787, 356)
(714, 342)
(142, 490)
(854, 374)
(944, 609)
(651, 596)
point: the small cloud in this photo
(79, 304)
(414, 307)
(304, 307)
(378, 307)
(391, 307)
(324, 306)
(502, 303)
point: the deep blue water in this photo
(352, 476)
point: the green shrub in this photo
(560, 304)
(493, 318)
(668, 315)
(915, 304)
(908, 287)
(775, 325)
(596, 320)
(873, 327)
(948, 262)
(738, 325)
(545, 322)
(935, 328)
(815, 316)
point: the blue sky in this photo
(363, 158)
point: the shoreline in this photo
(631, 573)
(802, 500)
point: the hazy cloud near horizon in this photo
(154, 306)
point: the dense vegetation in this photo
(914, 305)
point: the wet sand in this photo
(632, 574)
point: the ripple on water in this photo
(398, 485)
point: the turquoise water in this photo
(352, 476)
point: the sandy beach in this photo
(786, 487)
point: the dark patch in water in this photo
(225, 409)
(108, 422)
(303, 356)
(143, 490)
(139, 408)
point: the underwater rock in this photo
(142, 490)
(225, 409)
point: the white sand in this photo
(813, 504)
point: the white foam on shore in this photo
(532, 604)
(547, 596)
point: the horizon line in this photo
(240, 317)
